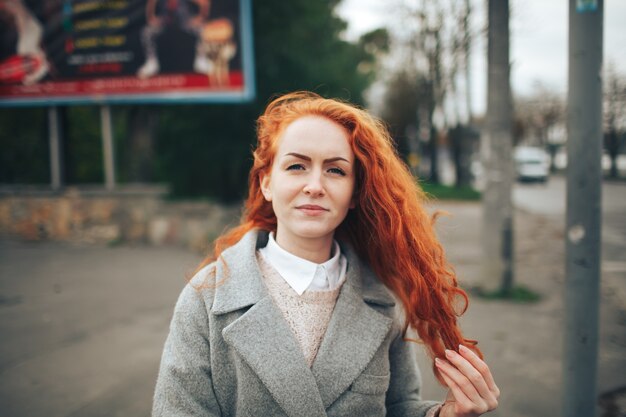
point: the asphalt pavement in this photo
(83, 326)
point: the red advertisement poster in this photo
(125, 51)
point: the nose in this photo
(314, 186)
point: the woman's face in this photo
(311, 182)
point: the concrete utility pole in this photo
(584, 185)
(496, 149)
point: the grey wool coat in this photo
(230, 352)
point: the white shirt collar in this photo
(302, 274)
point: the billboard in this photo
(125, 51)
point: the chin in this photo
(314, 232)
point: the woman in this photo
(302, 310)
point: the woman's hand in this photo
(472, 388)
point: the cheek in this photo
(285, 189)
(345, 195)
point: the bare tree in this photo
(467, 54)
(432, 44)
(402, 100)
(540, 120)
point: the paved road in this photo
(524, 342)
(549, 200)
(82, 327)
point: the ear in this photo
(265, 186)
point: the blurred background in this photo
(98, 236)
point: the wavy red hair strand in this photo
(389, 227)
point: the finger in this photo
(460, 380)
(457, 393)
(471, 373)
(481, 366)
(464, 403)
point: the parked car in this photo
(531, 164)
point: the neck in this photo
(314, 250)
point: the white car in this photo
(531, 164)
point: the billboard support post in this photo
(54, 141)
(108, 151)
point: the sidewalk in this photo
(523, 343)
(83, 326)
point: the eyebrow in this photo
(306, 158)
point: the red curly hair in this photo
(389, 227)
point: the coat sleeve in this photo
(403, 396)
(184, 386)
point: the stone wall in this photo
(130, 214)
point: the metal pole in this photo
(54, 140)
(584, 184)
(107, 147)
(496, 149)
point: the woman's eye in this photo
(295, 167)
(337, 171)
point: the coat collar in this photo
(239, 281)
(264, 340)
(238, 277)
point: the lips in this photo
(311, 207)
(311, 210)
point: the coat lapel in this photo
(262, 336)
(354, 334)
(264, 340)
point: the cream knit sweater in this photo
(307, 314)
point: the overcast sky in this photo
(538, 40)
